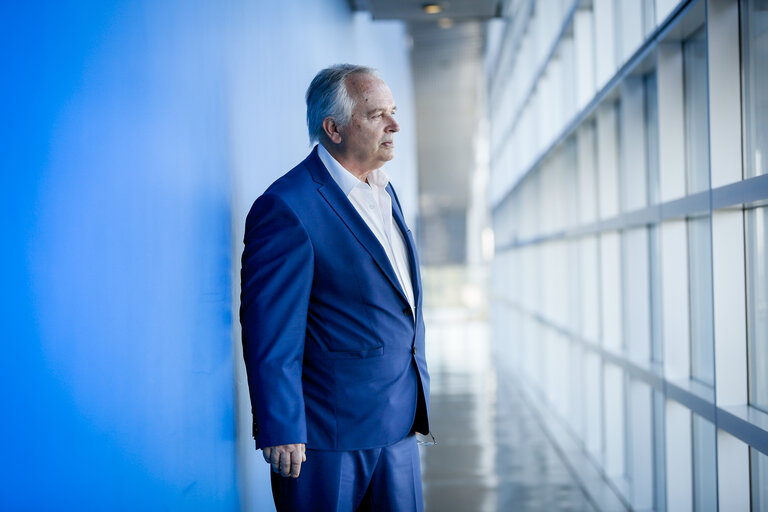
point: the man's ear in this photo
(331, 130)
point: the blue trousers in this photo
(379, 479)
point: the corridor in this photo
(585, 183)
(491, 453)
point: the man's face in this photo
(368, 137)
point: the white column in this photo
(631, 27)
(583, 29)
(724, 91)
(732, 473)
(679, 457)
(729, 307)
(605, 44)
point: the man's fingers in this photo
(285, 463)
(286, 459)
(295, 465)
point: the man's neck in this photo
(347, 163)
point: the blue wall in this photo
(118, 371)
(134, 137)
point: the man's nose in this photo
(393, 126)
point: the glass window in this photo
(649, 16)
(704, 465)
(757, 305)
(755, 59)
(759, 481)
(654, 262)
(696, 111)
(652, 136)
(659, 450)
(700, 279)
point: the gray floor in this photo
(491, 454)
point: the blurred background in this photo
(587, 180)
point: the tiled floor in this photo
(491, 454)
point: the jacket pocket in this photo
(353, 354)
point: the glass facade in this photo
(704, 465)
(672, 284)
(759, 481)
(651, 105)
(755, 57)
(657, 333)
(696, 111)
(659, 454)
(757, 305)
(700, 299)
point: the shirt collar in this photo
(345, 179)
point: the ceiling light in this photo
(445, 23)
(432, 8)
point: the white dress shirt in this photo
(374, 205)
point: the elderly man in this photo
(333, 333)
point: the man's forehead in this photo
(369, 86)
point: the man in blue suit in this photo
(333, 334)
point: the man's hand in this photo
(286, 459)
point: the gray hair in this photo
(327, 96)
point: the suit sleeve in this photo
(276, 279)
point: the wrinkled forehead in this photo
(369, 92)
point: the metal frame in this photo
(629, 66)
(745, 422)
(743, 194)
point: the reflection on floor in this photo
(491, 454)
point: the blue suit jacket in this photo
(334, 357)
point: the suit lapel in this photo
(347, 213)
(397, 213)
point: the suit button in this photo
(413, 351)
(407, 312)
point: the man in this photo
(333, 334)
